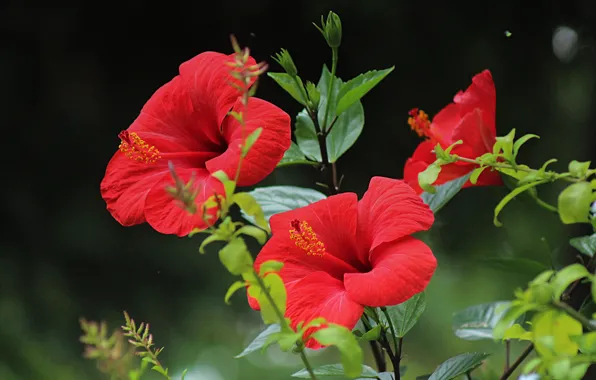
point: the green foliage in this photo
(250, 207)
(443, 193)
(342, 130)
(292, 85)
(574, 203)
(585, 244)
(346, 343)
(336, 370)
(271, 295)
(261, 341)
(277, 199)
(354, 89)
(514, 265)
(405, 315)
(458, 365)
(477, 322)
(285, 60)
(294, 156)
(331, 29)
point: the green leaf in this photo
(335, 370)
(260, 341)
(579, 169)
(208, 240)
(184, 374)
(552, 331)
(250, 140)
(586, 342)
(233, 289)
(477, 322)
(521, 141)
(405, 315)
(476, 174)
(584, 244)
(257, 233)
(444, 193)
(356, 88)
(286, 82)
(270, 266)
(458, 365)
(294, 156)
(276, 288)
(428, 176)
(345, 131)
(514, 265)
(235, 257)
(276, 199)
(517, 332)
(574, 203)
(566, 276)
(346, 343)
(250, 207)
(372, 334)
(509, 197)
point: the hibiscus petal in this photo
(209, 80)
(480, 94)
(320, 295)
(169, 115)
(266, 152)
(444, 122)
(165, 215)
(334, 222)
(389, 210)
(401, 269)
(125, 186)
(474, 133)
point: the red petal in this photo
(267, 151)
(422, 157)
(390, 210)
(166, 216)
(125, 186)
(334, 221)
(476, 137)
(480, 94)
(401, 269)
(444, 123)
(209, 80)
(169, 115)
(320, 295)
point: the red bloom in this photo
(341, 254)
(186, 122)
(471, 118)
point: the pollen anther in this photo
(137, 149)
(418, 122)
(306, 239)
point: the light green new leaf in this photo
(336, 370)
(405, 315)
(236, 257)
(509, 197)
(354, 89)
(584, 244)
(444, 193)
(250, 207)
(458, 365)
(294, 156)
(566, 276)
(233, 289)
(260, 341)
(372, 334)
(346, 343)
(270, 266)
(277, 199)
(574, 203)
(275, 285)
(477, 322)
(286, 82)
(251, 140)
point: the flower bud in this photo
(285, 60)
(331, 30)
(313, 93)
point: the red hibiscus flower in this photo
(341, 254)
(186, 122)
(471, 118)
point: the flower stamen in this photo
(418, 122)
(306, 239)
(137, 149)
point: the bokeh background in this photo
(74, 75)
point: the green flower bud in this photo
(331, 29)
(285, 60)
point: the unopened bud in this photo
(313, 93)
(285, 60)
(331, 29)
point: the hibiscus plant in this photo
(335, 270)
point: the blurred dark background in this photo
(74, 75)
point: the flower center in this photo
(419, 123)
(306, 239)
(137, 149)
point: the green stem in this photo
(334, 59)
(283, 323)
(395, 345)
(303, 94)
(375, 348)
(575, 314)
